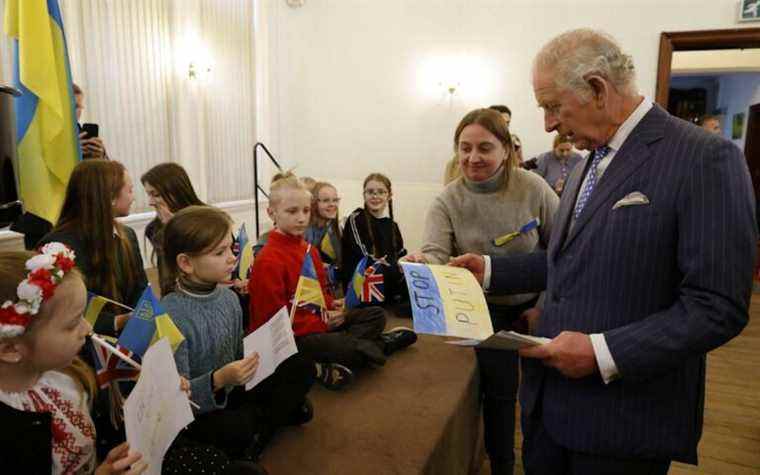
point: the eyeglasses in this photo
(326, 201)
(379, 192)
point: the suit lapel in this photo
(634, 153)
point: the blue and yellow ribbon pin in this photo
(529, 226)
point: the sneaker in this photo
(303, 414)
(398, 339)
(334, 376)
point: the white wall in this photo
(349, 97)
(737, 92)
(354, 93)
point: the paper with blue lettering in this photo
(157, 409)
(274, 342)
(447, 301)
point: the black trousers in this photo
(262, 410)
(354, 344)
(499, 378)
(544, 456)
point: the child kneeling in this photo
(197, 247)
(338, 340)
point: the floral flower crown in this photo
(46, 271)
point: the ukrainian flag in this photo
(95, 304)
(245, 255)
(48, 145)
(327, 247)
(148, 324)
(308, 291)
(354, 292)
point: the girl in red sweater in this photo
(338, 340)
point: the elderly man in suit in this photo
(648, 268)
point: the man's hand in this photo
(475, 263)
(570, 352)
(92, 147)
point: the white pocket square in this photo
(632, 199)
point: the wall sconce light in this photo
(194, 71)
(451, 88)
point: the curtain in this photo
(132, 59)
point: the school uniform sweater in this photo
(273, 282)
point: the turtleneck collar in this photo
(193, 288)
(489, 185)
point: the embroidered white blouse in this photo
(72, 428)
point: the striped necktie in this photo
(591, 180)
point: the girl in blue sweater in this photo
(197, 248)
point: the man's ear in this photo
(599, 90)
(10, 351)
(184, 263)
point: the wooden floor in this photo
(730, 442)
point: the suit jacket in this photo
(665, 282)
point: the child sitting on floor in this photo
(197, 248)
(339, 341)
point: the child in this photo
(197, 251)
(324, 230)
(108, 254)
(371, 231)
(44, 388)
(339, 341)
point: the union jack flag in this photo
(372, 287)
(109, 372)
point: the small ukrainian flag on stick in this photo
(529, 226)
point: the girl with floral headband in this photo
(45, 390)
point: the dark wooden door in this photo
(752, 146)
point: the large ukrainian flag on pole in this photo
(48, 145)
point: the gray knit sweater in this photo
(467, 216)
(213, 328)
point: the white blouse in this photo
(72, 428)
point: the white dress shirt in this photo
(607, 367)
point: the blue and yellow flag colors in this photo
(367, 284)
(244, 253)
(48, 145)
(308, 291)
(527, 227)
(447, 301)
(327, 247)
(148, 324)
(95, 304)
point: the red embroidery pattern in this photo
(65, 447)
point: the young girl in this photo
(169, 190)
(197, 249)
(44, 388)
(324, 230)
(108, 254)
(371, 231)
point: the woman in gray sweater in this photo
(492, 199)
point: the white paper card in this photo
(274, 342)
(156, 409)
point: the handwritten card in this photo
(274, 342)
(157, 409)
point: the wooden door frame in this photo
(738, 38)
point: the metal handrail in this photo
(256, 186)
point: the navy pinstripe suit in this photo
(664, 282)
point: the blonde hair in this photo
(575, 54)
(452, 171)
(280, 187)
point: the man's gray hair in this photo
(575, 54)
